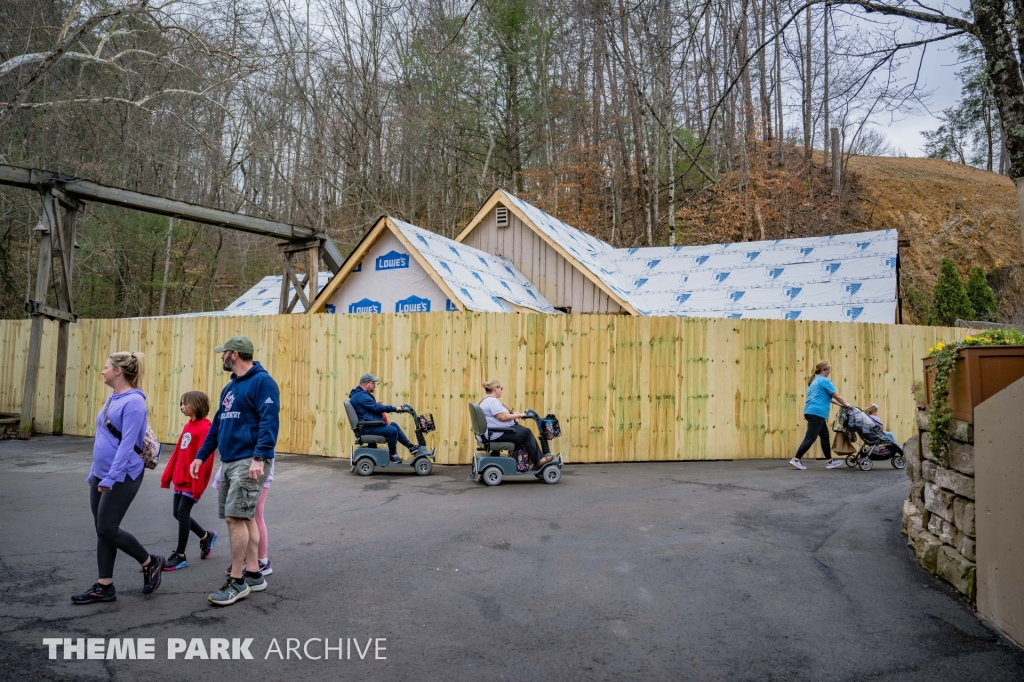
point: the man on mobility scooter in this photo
(369, 410)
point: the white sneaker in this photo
(797, 463)
(834, 464)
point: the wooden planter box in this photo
(980, 372)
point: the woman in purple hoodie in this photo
(116, 477)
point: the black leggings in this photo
(108, 509)
(817, 427)
(182, 507)
(521, 436)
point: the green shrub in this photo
(982, 298)
(949, 300)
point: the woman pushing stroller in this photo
(821, 393)
(501, 420)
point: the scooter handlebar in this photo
(530, 414)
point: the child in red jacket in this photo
(187, 490)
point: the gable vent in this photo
(501, 215)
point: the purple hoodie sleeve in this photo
(133, 427)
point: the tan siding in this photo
(559, 280)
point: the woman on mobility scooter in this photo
(501, 421)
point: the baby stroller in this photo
(876, 444)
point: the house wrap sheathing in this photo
(849, 277)
(401, 268)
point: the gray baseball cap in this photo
(242, 344)
(368, 377)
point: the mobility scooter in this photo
(366, 455)
(491, 467)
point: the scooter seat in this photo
(368, 439)
(498, 445)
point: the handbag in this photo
(151, 447)
(522, 459)
(841, 445)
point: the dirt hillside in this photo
(945, 209)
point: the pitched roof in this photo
(839, 277)
(472, 279)
(481, 281)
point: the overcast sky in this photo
(938, 75)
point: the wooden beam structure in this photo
(56, 250)
(87, 190)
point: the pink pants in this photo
(261, 524)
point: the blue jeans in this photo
(394, 435)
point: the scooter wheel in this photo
(851, 460)
(423, 466)
(899, 462)
(551, 474)
(865, 464)
(492, 475)
(365, 466)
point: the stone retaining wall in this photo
(938, 518)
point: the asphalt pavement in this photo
(744, 570)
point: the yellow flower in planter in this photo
(940, 345)
(931, 351)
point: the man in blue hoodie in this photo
(369, 410)
(245, 431)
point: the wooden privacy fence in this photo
(624, 388)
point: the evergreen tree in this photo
(982, 298)
(949, 298)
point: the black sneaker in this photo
(95, 593)
(152, 573)
(175, 562)
(395, 459)
(206, 545)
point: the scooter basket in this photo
(425, 422)
(550, 426)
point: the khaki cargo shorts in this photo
(238, 494)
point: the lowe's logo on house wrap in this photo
(791, 314)
(359, 268)
(792, 292)
(484, 261)
(455, 251)
(423, 239)
(852, 313)
(364, 306)
(392, 260)
(752, 255)
(830, 268)
(806, 251)
(863, 245)
(413, 304)
(640, 282)
(478, 278)
(449, 306)
(507, 287)
(736, 295)
(700, 260)
(466, 292)
(890, 263)
(734, 316)
(632, 251)
(683, 298)
(446, 267)
(651, 264)
(721, 276)
(775, 273)
(852, 288)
